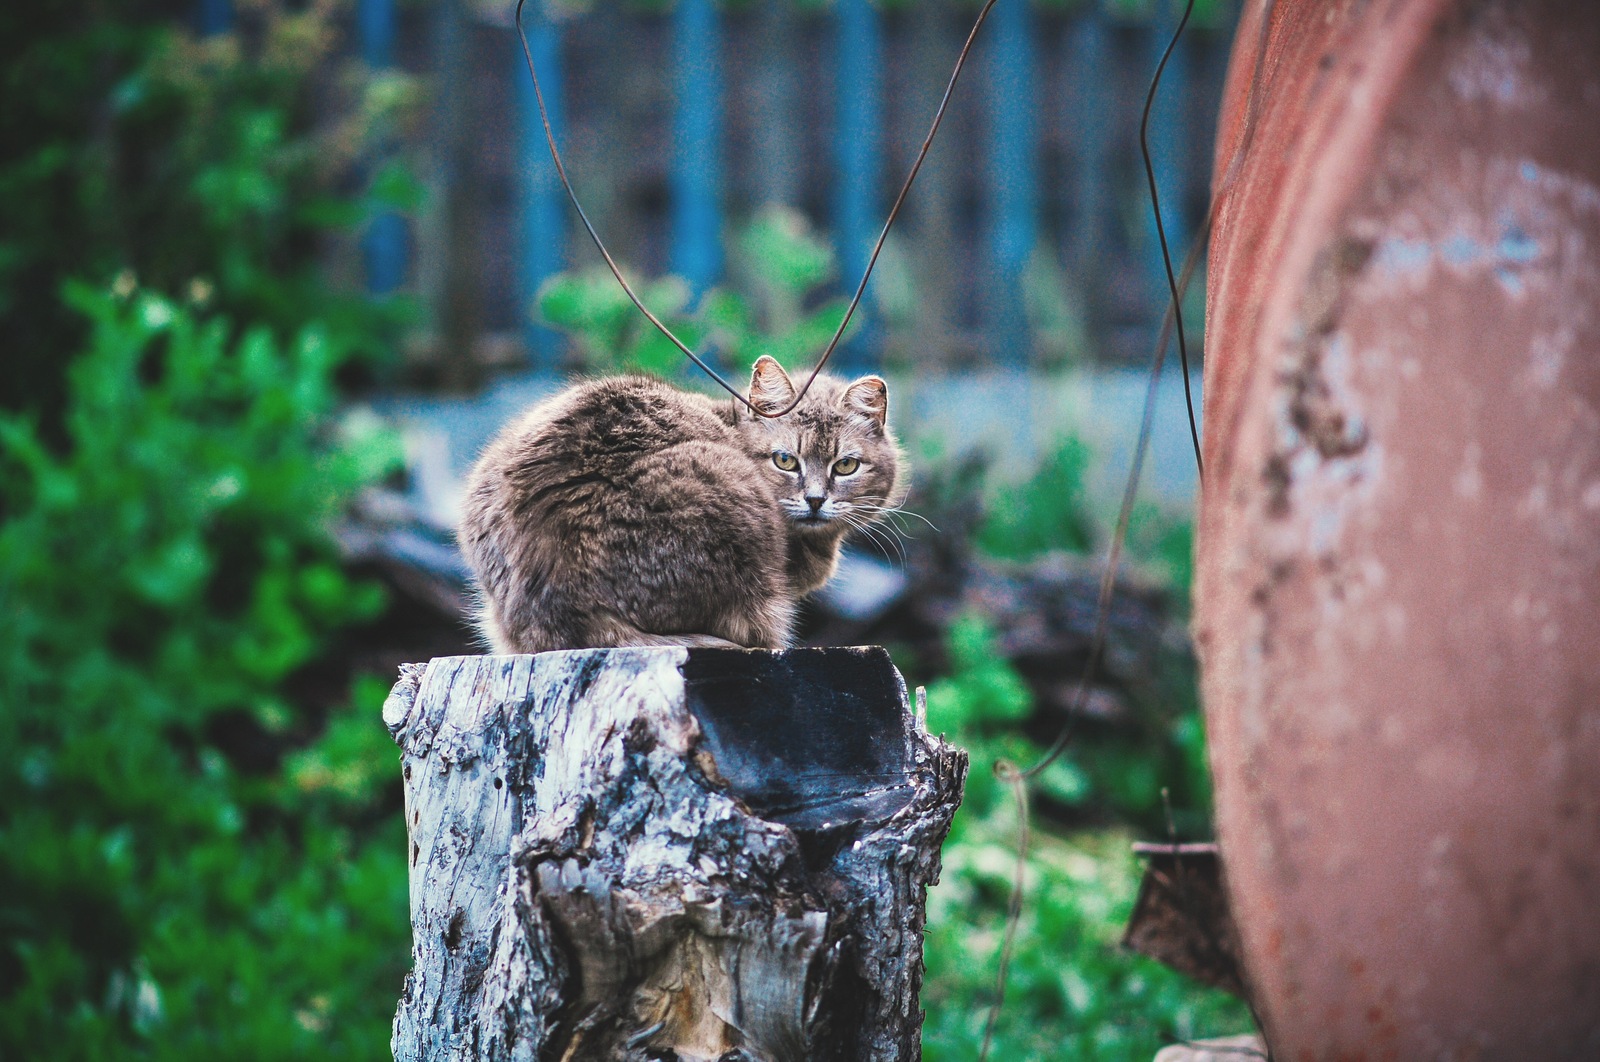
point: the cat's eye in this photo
(846, 466)
(785, 460)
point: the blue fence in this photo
(678, 124)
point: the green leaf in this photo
(394, 186)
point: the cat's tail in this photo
(688, 641)
(769, 627)
(769, 624)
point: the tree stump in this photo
(697, 854)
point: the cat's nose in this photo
(816, 504)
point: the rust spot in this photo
(1314, 413)
(1276, 478)
(1335, 265)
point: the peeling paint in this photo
(1516, 245)
(1385, 423)
(1509, 251)
(1396, 254)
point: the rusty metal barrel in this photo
(1398, 588)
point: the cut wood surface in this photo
(697, 854)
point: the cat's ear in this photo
(868, 396)
(770, 387)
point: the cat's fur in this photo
(626, 512)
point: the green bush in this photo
(213, 167)
(194, 861)
(163, 576)
(1072, 991)
(1048, 513)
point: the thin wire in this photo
(1130, 491)
(1007, 771)
(861, 288)
(1130, 494)
(1161, 229)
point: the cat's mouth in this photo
(812, 519)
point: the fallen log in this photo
(704, 854)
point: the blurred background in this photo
(272, 271)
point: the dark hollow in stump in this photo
(697, 854)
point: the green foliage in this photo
(163, 576)
(1047, 513)
(1165, 546)
(982, 688)
(783, 263)
(199, 166)
(1071, 992)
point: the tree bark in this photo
(697, 854)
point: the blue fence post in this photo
(696, 165)
(213, 17)
(1089, 122)
(857, 155)
(541, 201)
(375, 20)
(1168, 147)
(383, 247)
(1013, 178)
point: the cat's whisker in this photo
(892, 528)
(895, 510)
(874, 513)
(857, 525)
(896, 520)
(904, 513)
(877, 535)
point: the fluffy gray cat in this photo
(624, 511)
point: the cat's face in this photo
(833, 462)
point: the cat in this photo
(624, 511)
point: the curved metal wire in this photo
(861, 288)
(1161, 229)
